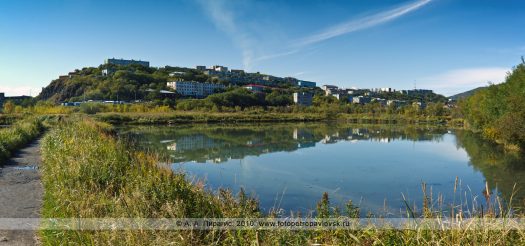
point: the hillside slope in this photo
(133, 82)
(466, 93)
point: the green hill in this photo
(133, 82)
(465, 94)
(125, 83)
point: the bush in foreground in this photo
(88, 173)
(16, 136)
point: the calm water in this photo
(289, 166)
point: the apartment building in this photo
(194, 89)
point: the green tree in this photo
(9, 107)
(276, 98)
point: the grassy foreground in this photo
(17, 135)
(88, 173)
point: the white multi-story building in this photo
(303, 98)
(387, 89)
(329, 87)
(219, 68)
(195, 89)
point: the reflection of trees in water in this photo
(219, 143)
(500, 169)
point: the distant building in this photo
(195, 89)
(71, 104)
(124, 62)
(255, 88)
(417, 92)
(200, 68)
(396, 103)
(210, 72)
(14, 99)
(290, 80)
(2, 98)
(388, 89)
(268, 78)
(308, 84)
(219, 68)
(380, 101)
(329, 87)
(349, 91)
(176, 73)
(108, 71)
(330, 92)
(303, 98)
(237, 71)
(361, 100)
(164, 93)
(338, 96)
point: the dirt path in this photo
(21, 193)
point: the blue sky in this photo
(446, 45)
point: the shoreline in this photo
(251, 117)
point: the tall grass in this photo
(88, 173)
(17, 135)
(260, 116)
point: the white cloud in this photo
(459, 80)
(220, 12)
(225, 19)
(20, 90)
(360, 24)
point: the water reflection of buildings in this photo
(305, 137)
(192, 142)
(224, 144)
(330, 139)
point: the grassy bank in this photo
(88, 173)
(17, 135)
(260, 116)
(203, 117)
(8, 119)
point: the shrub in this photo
(18, 135)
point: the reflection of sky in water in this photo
(290, 165)
(366, 172)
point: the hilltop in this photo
(133, 81)
(466, 94)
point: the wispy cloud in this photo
(225, 19)
(459, 80)
(362, 23)
(220, 12)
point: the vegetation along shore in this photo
(89, 173)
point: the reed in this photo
(89, 173)
(17, 135)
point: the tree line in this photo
(498, 111)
